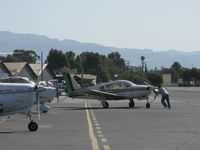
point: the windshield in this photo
(15, 80)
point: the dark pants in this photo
(165, 98)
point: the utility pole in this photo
(42, 66)
(128, 64)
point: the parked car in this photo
(59, 85)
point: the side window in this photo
(126, 84)
(102, 88)
(110, 86)
(118, 85)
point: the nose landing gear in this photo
(32, 126)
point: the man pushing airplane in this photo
(165, 96)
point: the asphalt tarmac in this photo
(78, 124)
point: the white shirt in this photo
(162, 91)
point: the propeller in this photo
(153, 89)
(38, 90)
(38, 105)
(57, 95)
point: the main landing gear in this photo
(132, 103)
(148, 105)
(105, 104)
(32, 126)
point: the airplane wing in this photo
(102, 94)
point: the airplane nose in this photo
(148, 88)
(39, 89)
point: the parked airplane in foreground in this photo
(114, 90)
(47, 96)
(18, 94)
(18, 98)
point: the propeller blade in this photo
(38, 105)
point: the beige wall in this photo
(25, 73)
(167, 79)
(46, 76)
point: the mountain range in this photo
(10, 41)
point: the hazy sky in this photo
(153, 24)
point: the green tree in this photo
(136, 77)
(21, 55)
(71, 58)
(57, 59)
(155, 78)
(118, 62)
(94, 63)
(187, 76)
(79, 64)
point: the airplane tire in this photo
(131, 104)
(148, 105)
(105, 105)
(32, 126)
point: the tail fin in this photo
(70, 82)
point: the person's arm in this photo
(157, 92)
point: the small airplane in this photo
(113, 90)
(18, 98)
(46, 96)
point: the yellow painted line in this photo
(99, 131)
(104, 140)
(97, 124)
(98, 128)
(106, 147)
(101, 135)
(93, 139)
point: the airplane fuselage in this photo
(124, 89)
(15, 97)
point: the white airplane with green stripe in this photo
(113, 90)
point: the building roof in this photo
(87, 76)
(37, 68)
(15, 67)
(4, 68)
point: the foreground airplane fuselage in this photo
(48, 94)
(15, 97)
(18, 98)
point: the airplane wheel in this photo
(131, 104)
(148, 105)
(105, 105)
(32, 126)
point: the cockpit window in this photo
(14, 80)
(114, 85)
(128, 83)
(110, 86)
(102, 88)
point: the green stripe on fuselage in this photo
(125, 90)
